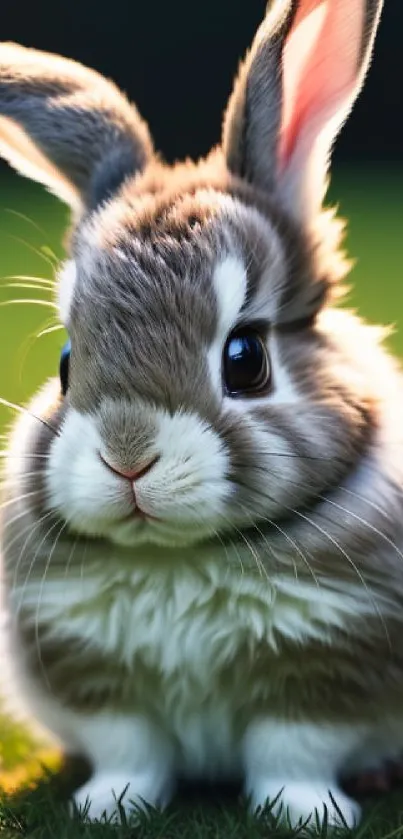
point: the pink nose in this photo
(131, 474)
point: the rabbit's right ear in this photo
(295, 90)
(67, 127)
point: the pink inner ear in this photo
(320, 66)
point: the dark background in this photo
(177, 59)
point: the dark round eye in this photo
(64, 367)
(246, 365)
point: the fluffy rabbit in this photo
(203, 521)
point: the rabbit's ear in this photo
(293, 93)
(67, 127)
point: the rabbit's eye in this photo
(246, 365)
(64, 367)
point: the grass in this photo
(32, 798)
(40, 812)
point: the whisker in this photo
(23, 410)
(288, 539)
(27, 278)
(259, 564)
(83, 558)
(41, 253)
(12, 480)
(70, 557)
(29, 220)
(18, 498)
(33, 560)
(351, 562)
(25, 349)
(369, 503)
(37, 612)
(22, 455)
(49, 330)
(245, 511)
(362, 498)
(53, 259)
(32, 526)
(293, 544)
(10, 522)
(29, 301)
(290, 455)
(365, 523)
(35, 286)
(233, 545)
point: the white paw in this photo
(99, 797)
(301, 801)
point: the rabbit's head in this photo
(207, 384)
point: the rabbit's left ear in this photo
(68, 127)
(304, 71)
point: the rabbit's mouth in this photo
(140, 515)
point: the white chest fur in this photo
(188, 624)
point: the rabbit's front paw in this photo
(104, 794)
(301, 801)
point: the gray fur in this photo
(80, 121)
(373, 11)
(325, 505)
(252, 121)
(253, 118)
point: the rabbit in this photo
(202, 526)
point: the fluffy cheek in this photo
(189, 483)
(79, 486)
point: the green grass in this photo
(373, 203)
(41, 813)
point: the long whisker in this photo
(22, 455)
(35, 286)
(235, 549)
(365, 523)
(369, 503)
(49, 329)
(70, 557)
(20, 476)
(38, 607)
(246, 512)
(23, 410)
(83, 558)
(25, 301)
(13, 480)
(289, 455)
(32, 526)
(40, 252)
(27, 278)
(18, 498)
(351, 562)
(53, 259)
(10, 522)
(218, 536)
(290, 542)
(25, 218)
(259, 564)
(34, 558)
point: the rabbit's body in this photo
(98, 638)
(203, 529)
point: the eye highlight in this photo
(246, 364)
(64, 367)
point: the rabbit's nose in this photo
(133, 474)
